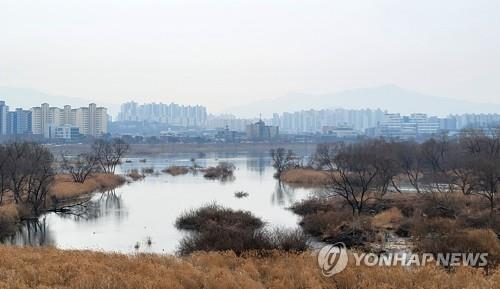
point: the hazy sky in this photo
(222, 53)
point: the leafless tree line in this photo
(469, 164)
(26, 171)
(104, 156)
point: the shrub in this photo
(176, 170)
(223, 238)
(148, 171)
(238, 240)
(241, 194)
(201, 218)
(223, 170)
(288, 240)
(313, 205)
(389, 219)
(9, 217)
(135, 175)
(440, 235)
(325, 223)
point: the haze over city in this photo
(226, 54)
(220, 144)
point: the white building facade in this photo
(90, 121)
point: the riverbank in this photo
(64, 188)
(195, 149)
(52, 268)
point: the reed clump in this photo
(64, 187)
(305, 177)
(176, 170)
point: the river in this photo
(125, 219)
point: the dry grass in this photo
(305, 177)
(389, 219)
(51, 268)
(64, 187)
(176, 170)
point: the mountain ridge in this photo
(387, 97)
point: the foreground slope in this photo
(53, 268)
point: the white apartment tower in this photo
(91, 120)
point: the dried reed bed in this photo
(305, 177)
(51, 268)
(65, 188)
(389, 219)
(176, 170)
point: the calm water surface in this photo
(117, 220)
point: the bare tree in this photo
(80, 167)
(484, 151)
(282, 160)
(409, 157)
(4, 180)
(16, 154)
(27, 172)
(387, 163)
(353, 173)
(41, 174)
(109, 153)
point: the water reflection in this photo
(104, 204)
(32, 233)
(258, 164)
(145, 211)
(283, 194)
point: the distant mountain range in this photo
(28, 98)
(388, 97)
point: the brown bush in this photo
(314, 205)
(201, 219)
(305, 177)
(223, 171)
(135, 175)
(439, 235)
(324, 224)
(176, 170)
(240, 240)
(9, 217)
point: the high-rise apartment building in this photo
(171, 114)
(4, 109)
(311, 121)
(19, 122)
(407, 127)
(90, 121)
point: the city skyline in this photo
(52, 122)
